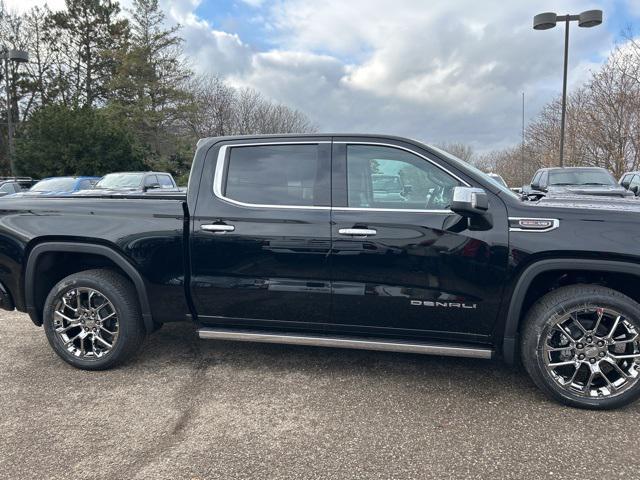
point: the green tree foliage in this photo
(84, 38)
(59, 140)
(149, 88)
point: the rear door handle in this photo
(217, 228)
(357, 232)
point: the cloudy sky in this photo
(435, 70)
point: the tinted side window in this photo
(275, 175)
(150, 180)
(635, 182)
(625, 180)
(536, 178)
(544, 179)
(165, 181)
(386, 177)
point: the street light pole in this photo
(547, 20)
(564, 89)
(17, 56)
(9, 117)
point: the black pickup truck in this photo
(283, 239)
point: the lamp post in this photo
(547, 20)
(17, 56)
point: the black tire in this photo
(540, 320)
(122, 295)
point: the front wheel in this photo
(581, 345)
(92, 319)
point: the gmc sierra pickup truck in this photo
(283, 239)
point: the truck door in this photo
(261, 235)
(402, 262)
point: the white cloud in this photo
(437, 70)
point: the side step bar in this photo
(384, 345)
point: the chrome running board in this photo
(384, 345)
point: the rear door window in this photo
(287, 175)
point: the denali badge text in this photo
(421, 303)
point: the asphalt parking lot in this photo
(193, 409)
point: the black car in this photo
(282, 239)
(563, 181)
(631, 181)
(131, 183)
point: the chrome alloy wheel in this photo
(592, 352)
(86, 323)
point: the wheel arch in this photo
(516, 306)
(108, 253)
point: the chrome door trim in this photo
(407, 210)
(217, 228)
(425, 348)
(222, 162)
(359, 232)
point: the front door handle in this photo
(357, 232)
(217, 228)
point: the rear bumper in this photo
(6, 302)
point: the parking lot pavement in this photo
(193, 409)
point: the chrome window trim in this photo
(406, 210)
(222, 162)
(555, 224)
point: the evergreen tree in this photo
(85, 38)
(148, 90)
(59, 140)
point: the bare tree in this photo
(220, 109)
(460, 150)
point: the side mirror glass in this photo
(635, 189)
(468, 201)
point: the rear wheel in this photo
(581, 345)
(92, 319)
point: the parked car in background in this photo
(11, 185)
(569, 181)
(57, 186)
(497, 178)
(133, 182)
(631, 181)
(389, 188)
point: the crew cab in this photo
(283, 239)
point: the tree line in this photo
(108, 90)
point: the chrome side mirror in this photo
(468, 201)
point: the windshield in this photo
(475, 170)
(64, 184)
(581, 177)
(117, 181)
